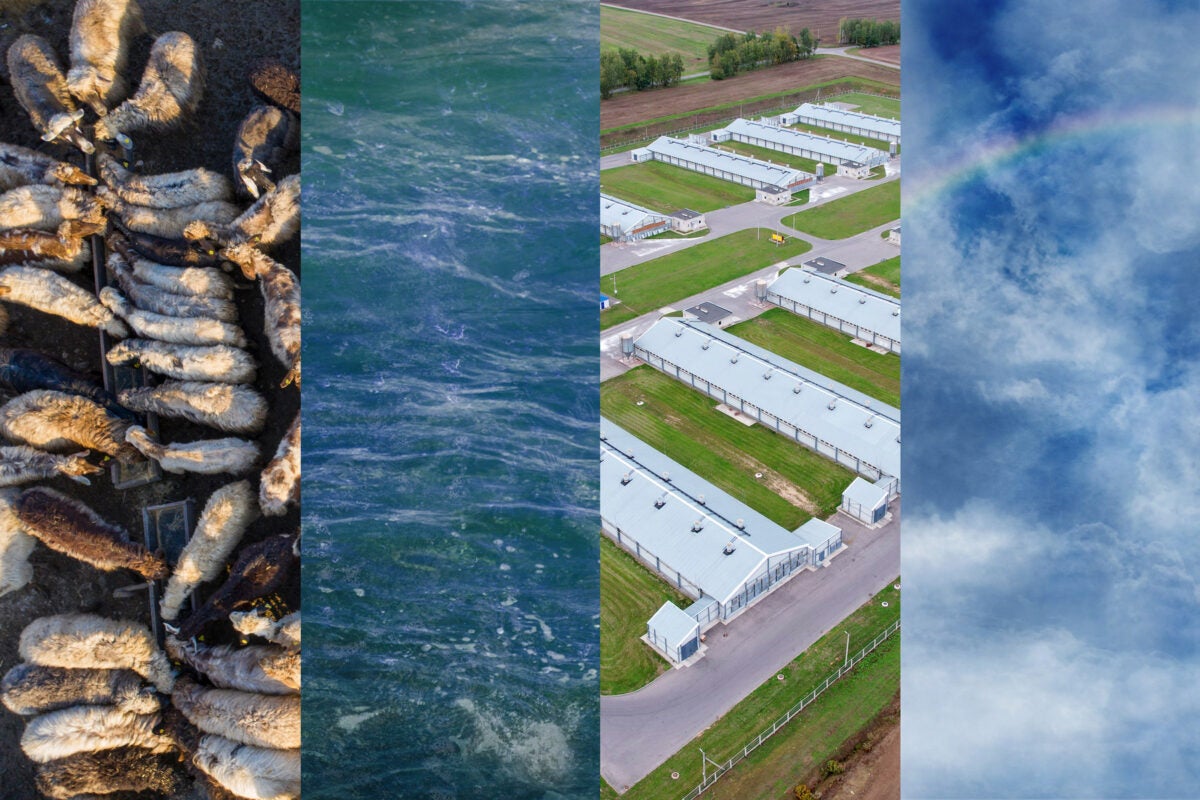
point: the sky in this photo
(1051, 393)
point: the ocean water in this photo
(450, 512)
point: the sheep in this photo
(171, 87)
(266, 669)
(167, 190)
(15, 545)
(274, 218)
(101, 31)
(20, 166)
(281, 311)
(87, 729)
(160, 301)
(162, 250)
(53, 294)
(22, 464)
(121, 769)
(46, 207)
(41, 89)
(63, 249)
(166, 222)
(284, 631)
(255, 773)
(180, 330)
(70, 527)
(280, 484)
(30, 689)
(226, 516)
(216, 363)
(60, 422)
(260, 569)
(227, 407)
(264, 139)
(277, 84)
(192, 281)
(260, 720)
(87, 640)
(24, 370)
(205, 457)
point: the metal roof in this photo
(742, 166)
(869, 122)
(832, 148)
(838, 298)
(632, 482)
(856, 423)
(625, 216)
(826, 265)
(673, 624)
(708, 312)
(865, 493)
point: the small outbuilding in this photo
(674, 633)
(865, 501)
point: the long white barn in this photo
(839, 304)
(726, 166)
(836, 119)
(859, 158)
(624, 221)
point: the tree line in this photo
(868, 32)
(733, 53)
(625, 68)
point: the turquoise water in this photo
(451, 585)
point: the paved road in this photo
(641, 730)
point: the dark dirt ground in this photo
(871, 760)
(231, 36)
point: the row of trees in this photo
(733, 53)
(630, 69)
(868, 32)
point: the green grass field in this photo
(629, 596)
(615, 315)
(653, 284)
(776, 157)
(871, 104)
(826, 351)
(843, 218)
(887, 273)
(878, 144)
(810, 738)
(652, 35)
(666, 188)
(684, 425)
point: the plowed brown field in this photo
(819, 16)
(889, 53)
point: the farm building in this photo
(894, 235)
(726, 166)
(835, 119)
(834, 420)
(700, 539)
(865, 501)
(625, 222)
(687, 221)
(853, 160)
(826, 266)
(835, 303)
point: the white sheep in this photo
(170, 89)
(15, 545)
(67, 525)
(41, 88)
(29, 689)
(105, 772)
(21, 464)
(260, 720)
(46, 207)
(20, 166)
(194, 281)
(228, 407)
(280, 485)
(87, 640)
(266, 669)
(53, 294)
(180, 330)
(225, 518)
(101, 31)
(155, 299)
(167, 222)
(273, 219)
(230, 455)
(255, 773)
(166, 190)
(281, 304)
(284, 631)
(216, 363)
(62, 422)
(86, 729)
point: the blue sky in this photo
(1051, 393)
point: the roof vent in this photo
(808, 280)
(666, 476)
(604, 437)
(832, 404)
(729, 548)
(796, 388)
(862, 300)
(741, 523)
(733, 359)
(706, 344)
(767, 375)
(833, 290)
(896, 313)
(697, 526)
(700, 499)
(678, 332)
(627, 478)
(661, 501)
(870, 421)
